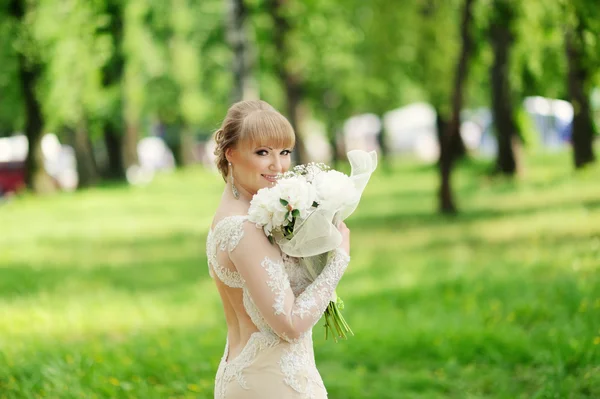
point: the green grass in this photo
(105, 293)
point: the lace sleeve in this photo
(261, 266)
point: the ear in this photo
(229, 154)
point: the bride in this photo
(270, 303)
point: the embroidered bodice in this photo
(225, 237)
(278, 295)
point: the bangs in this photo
(266, 127)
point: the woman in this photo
(270, 303)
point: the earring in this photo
(234, 190)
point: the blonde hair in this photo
(253, 122)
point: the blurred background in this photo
(476, 247)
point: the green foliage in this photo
(351, 56)
(105, 293)
(73, 54)
(527, 130)
(437, 45)
(11, 110)
(540, 50)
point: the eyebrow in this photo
(270, 148)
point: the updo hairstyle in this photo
(251, 123)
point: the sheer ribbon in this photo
(317, 235)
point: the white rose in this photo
(334, 189)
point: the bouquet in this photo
(300, 213)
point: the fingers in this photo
(342, 228)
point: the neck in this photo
(245, 195)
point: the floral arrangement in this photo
(301, 213)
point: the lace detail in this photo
(229, 371)
(255, 315)
(298, 275)
(298, 366)
(296, 357)
(225, 236)
(278, 282)
(315, 298)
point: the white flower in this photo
(334, 190)
(298, 193)
(267, 210)
(263, 209)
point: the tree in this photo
(579, 82)
(12, 110)
(290, 76)
(74, 53)
(138, 48)
(245, 84)
(112, 76)
(446, 204)
(326, 41)
(29, 74)
(174, 95)
(435, 54)
(502, 37)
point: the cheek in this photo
(285, 164)
(258, 164)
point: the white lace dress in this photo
(283, 304)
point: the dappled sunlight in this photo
(73, 317)
(120, 288)
(120, 250)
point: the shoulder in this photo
(227, 231)
(232, 228)
(252, 243)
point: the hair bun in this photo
(219, 136)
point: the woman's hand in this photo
(345, 231)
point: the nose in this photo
(276, 163)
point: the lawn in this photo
(105, 293)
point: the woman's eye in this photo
(262, 152)
(286, 152)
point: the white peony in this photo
(264, 210)
(334, 190)
(299, 194)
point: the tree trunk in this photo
(457, 147)
(87, 169)
(245, 86)
(181, 143)
(294, 111)
(441, 123)
(429, 11)
(503, 111)
(291, 81)
(112, 74)
(332, 138)
(583, 131)
(36, 177)
(129, 149)
(187, 147)
(446, 201)
(459, 150)
(112, 142)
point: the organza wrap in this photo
(317, 235)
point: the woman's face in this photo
(255, 166)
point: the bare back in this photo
(271, 305)
(239, 324)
